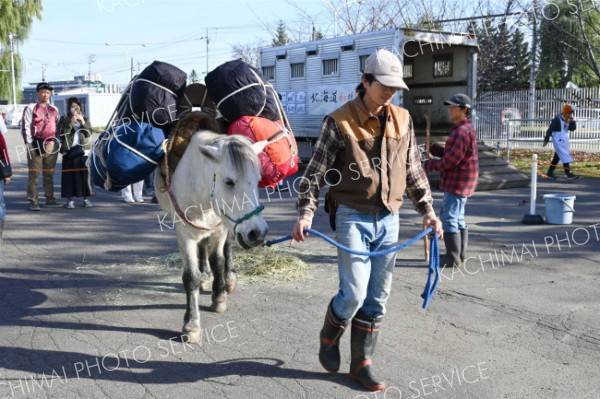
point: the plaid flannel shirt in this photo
(316, 175)
(459, 160)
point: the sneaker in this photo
(571, 176)
(70, 205)
(87, 203)
(139, 200)
(51, 203)
(34, 206)
(128, 200)
(551, 175)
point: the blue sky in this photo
(167, 30)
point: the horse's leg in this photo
(217, 264)
(191, 282)
(205, 272)
(230, 277)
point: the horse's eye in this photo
(229, 182)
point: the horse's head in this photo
(234, 185)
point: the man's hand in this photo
(298, 230)
(6, 181)
(436, 224)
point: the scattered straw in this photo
(258, 264)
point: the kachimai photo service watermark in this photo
(111, 362)
(437, 384)
(109, 6)
(557, 242)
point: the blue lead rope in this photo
(433, 277)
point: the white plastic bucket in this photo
(559, 208)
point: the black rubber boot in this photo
(329, 352)
(464, 244)
(362, 346)
(550, 173)
(453, 250)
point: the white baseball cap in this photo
(386, 68)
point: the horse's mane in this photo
(238, 149)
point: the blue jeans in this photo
(365, 283)
(453, 213)
(2, 203)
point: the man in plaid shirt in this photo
(458, 164)
(368, 157)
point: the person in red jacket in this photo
(39, 133)
(458, 164)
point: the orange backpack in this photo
(280, 157)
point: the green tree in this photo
(281, 38)
(16, 17)
(569, 45)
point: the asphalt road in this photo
(90, 310)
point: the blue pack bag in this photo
(125, 155)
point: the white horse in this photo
(212, 193)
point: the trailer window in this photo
(269, 72)
(361, 60)
(442, 65)
(297, 70)
(330, 67)
(407, 69)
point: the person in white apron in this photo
(559, 130)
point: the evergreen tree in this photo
(16, 17)
(520, 60)
(569, 45)
(281, 37)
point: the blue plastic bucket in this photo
(559, 208)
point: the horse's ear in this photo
(210, 152)
(259, 146)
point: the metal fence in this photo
(510, 120)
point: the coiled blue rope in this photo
(433, 276)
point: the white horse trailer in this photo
(314, 78)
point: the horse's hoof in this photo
(192, 337)
(218, 307)
(230, 283)
(205, 286)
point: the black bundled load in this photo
(238, 89)
(154, 94)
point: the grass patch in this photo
(258, 264)
(585, 164)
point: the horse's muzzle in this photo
(252, 239)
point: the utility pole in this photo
(43, 73)
(205, 37)
(91, 59)
(531, 95)
(12, 69)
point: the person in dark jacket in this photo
(75, 133)
(559, 129)
(458, 164)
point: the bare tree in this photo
(250, 53)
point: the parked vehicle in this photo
(314, 78)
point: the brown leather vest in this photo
(372, 164)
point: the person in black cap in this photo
(39, 133)
(458, 164)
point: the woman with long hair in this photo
(75, 134)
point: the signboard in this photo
(325, 99)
